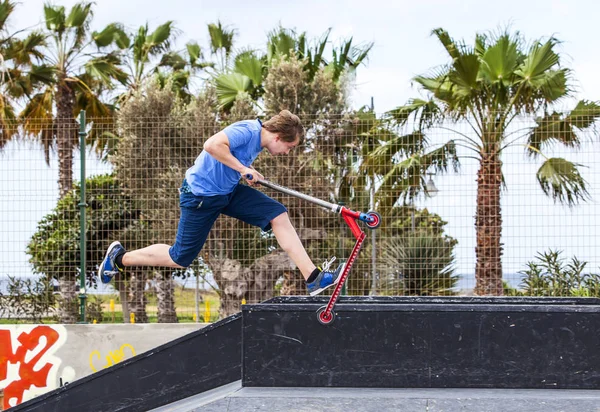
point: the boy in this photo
(212, 186)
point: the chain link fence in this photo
(455, 217)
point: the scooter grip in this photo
(248, 176)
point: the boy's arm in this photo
(218, 147)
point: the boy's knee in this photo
(182, 259)
(280, 218)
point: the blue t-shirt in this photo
(209, 177)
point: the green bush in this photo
(551, 275)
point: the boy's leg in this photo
(317, 279)
(198, 214)
(154, 255)
(290, 242)
(258, 209)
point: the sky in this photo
(403, 48)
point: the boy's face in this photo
(279, 147)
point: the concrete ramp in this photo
(194, 363)
(379, 354)
(235, 398)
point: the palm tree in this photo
(250, 67)
(487, 86)
(78, 78)
(18, 76)
(183, 67)
(146, 52)
(221, 44)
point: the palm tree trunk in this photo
(68, 309)
(488, 225)
(165, 297)
(66, 135)
(121, 285)
(136, 299)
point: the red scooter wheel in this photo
(323, 318)
(376, 220)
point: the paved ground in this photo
(234, 398)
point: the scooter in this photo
(325, 314)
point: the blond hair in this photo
(286, 124)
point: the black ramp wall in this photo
(426, 343)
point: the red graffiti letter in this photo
(28, 377)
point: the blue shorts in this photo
(199, 213)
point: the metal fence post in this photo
(373, 244)
(341, 244)
(82, 228)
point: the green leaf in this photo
(464, 75)
(426, 112)
(251, 66)
(562, 128)
(447, 42)
(78, 15)
(106, 36)
(160, 37)
(229, 85)
(194, 52)
(112, 32)
(54, 17)
(173, 60)
(585, 114)
(500, 61)
(561, 180)
(552, 84)
(540, 59)
(220, 38)
(6, 9)
(42, 74)
(105, 68)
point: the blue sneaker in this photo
(326, 278)
(108, 267)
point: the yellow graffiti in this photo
(112, 358)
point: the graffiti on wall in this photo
(28, 366)
(112, 358)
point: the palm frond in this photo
(160, 39)
(114, 32)
(442, 159)
(250, 65)
(54, 17)
(562, 128)
(7, 7)
(425, 112)
(500, 60)
(229, 85)
(79, 19)
(585, 114)
(37, 120)
(8, 121)
(423, 263)
(78, 15)
(220, 38)
(194, 53)
(560, 179)
(106, 69)
(447, 41)
(539, 60)
(173, 60)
